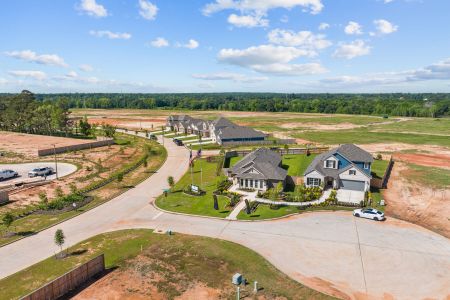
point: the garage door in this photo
(353, 185)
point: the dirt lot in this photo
(28, 144)
(414, 201)
(93, 164)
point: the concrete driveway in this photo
(64, 169)
(332, 252)
(350, 196)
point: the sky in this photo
(287, 46)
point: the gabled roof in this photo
(349, 151)
(265, 161)
(222, 122)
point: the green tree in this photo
(85, 127)
(109, 130)
(43, 198)
(59, 192)
(59, 238)
(7, 220)
(170, 181)
(120, 177)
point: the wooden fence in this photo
(281, 151)
(69, 281)
(261, 143)
(82, 146)
(381, 183)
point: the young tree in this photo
(59, 238)
(170, 181)
(216, 203)
(8, 219)
(59, 192)
(119, 177)
(43, 198)
(73, 188)
(247, 207)
(109, 130)
(85, 127)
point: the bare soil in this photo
(416, 203)
(28, 144)
(427, 160)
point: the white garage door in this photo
(353, 185)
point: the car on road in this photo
(41, 171)
(369, 213)
(178, 142)
(7, 174)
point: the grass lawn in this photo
(435, 177)
(265, 212)
(296, 164)
(35, 222)
(420, 125)
(177, 260)
(364, 136)
(379, 168)
(376, 198)
(178, 201)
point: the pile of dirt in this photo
(416, 203)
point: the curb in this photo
(95, 206)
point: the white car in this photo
(6, 174)
(42, 171)
(369, 213)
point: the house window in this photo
(261, 183)
(366, 166)
(246, 182)
(251, 183)
(242, 182)
(331, 164)
(352, 172)
(313, 181)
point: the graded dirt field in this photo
(29, 144)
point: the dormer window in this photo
(330, 164)
(352, 172)
(366, 166)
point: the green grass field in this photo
(296, 164)
(379, 168)
(193, 259)
(434, 177)
(178, 201)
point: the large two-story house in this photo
(345, 167)
(259, 170)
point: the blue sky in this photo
(225, 46)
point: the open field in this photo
(27, 145)
(168, 267)
(178, 201)
(94, 166)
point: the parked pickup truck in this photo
(6, 174)
(42, 171)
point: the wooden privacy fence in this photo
(69, 281)
(279, 150)
(381, 183)
(82, 146)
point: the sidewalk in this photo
(251, 196)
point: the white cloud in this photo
(147, 10)
(92, 8)
(261, 6)
(352, 49)
(110, 35)
(229, 76)
(388, 1)
(44, 59)
(324, 26)
(159, 42)
(437, 71)
(191, 44)
(86, 68)
(248, 21)
(270, 59)
(72, 74)
(38, 75)
(353, 28)
(384, 27)
(303, 39)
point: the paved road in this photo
(64, 169)
(332, 252)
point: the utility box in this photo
(4, 197)
(237, 279)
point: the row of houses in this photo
(346, 167)
(221, 130)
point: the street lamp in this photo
(56, 161)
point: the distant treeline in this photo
(23, 113)
(398, 104)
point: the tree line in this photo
(398, 104)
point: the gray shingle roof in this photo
(265, 161)
(222, 122)
(349, 151)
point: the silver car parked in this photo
(42, 171)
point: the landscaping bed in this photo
(178, 201)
